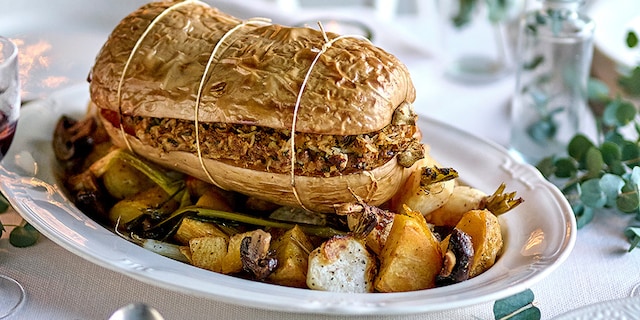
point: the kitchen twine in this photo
(253, 21)
(134, 50)
(327, 44)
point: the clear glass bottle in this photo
(554, 51)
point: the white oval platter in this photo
(539, 234)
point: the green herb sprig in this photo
(604, 174)
(22, 235)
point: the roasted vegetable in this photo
(411, 258)
(466, 198)
(247, 219)
(213, 198)
(192, 228)
(122, 180)
(484, 229)
(426, 189)
(341, 264)
(233, 260)
(292, 250)
(458, 258)
(462, 199)
(367, 222)
(209, 252)
(163, 248)
(257, 258)
(167, 180)
(72, 138)
(153, 200)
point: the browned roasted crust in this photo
(354, 88)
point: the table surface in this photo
(61, 285)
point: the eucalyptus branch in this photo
(23, 234)
(604, 174)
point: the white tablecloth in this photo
(61, 285)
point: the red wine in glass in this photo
(7, 130)
(12, 293)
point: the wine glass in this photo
(11, 292)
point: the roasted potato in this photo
(292, 250)
(411, 257)
(209, 252)
(191, 228)
(341, 264)
(484, 229)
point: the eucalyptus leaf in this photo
(498, 10)
(578, 146)
(615, 137)
(611, 185)
(628, 200)
(592, 195)
(593, 162)
(519, 306)
(632, 39)
(465, 13)
(617, 168)
(618, 113)
(597, 90)
(607, 169)
(631, 83)
(583, 214)
(633, 234)
(634, 177)
(630, 153)
(565, 168)
(611, 152)
(625, 113)
(609, 114)
(4, 204)
(23, 236)
(547, 167)
(534, 63)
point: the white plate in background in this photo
(619, 309)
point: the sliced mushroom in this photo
(457, 260)
(256, 257)
(73, 138)
(88, 195)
